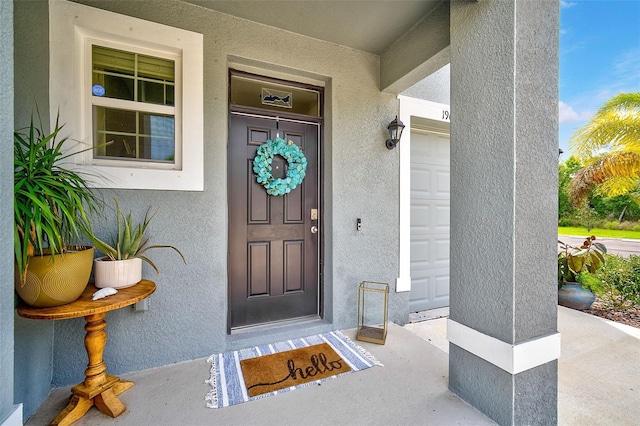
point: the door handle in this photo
(314, 229)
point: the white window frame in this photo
(91, 101)
(81, 26)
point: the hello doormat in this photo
(244, 375)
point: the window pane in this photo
(116, 73)
(119, 146)
(113, 61)
(118, 120)
(158, 137)
(170, 96)
(118, 87)
(156, 68)
(132, 134)
(261, 94)
(158, 149)
(152, 93)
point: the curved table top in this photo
(85, 306)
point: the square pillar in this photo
(504, 151)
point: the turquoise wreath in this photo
(295, 172)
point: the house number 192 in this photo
(446, 115)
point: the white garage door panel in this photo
(430, 287)
(430, 182)
(442, 252)
(435, 153)
(430, 211)
(443, 212)
(429, 217)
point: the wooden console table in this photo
(99, 388)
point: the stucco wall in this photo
(434, 88)
(504, 147)
(33, 339)
(6, 211)
(187, 315)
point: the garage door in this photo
(429, 220)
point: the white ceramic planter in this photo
(117, 273)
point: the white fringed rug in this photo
(227, 382)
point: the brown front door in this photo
(273, 250)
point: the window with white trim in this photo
(133, 106)
(135, 97)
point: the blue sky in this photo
(599, 58)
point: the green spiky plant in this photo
(50, 201)
(130, 240)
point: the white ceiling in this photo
(368, 25)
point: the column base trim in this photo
(15, 418)
(403, 284)
(511, 358)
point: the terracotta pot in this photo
(54, 281)
(117, 273)
(574, 296)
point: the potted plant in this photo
(576, 266)
(51, 205)
(122, 264)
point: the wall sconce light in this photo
(395, 132)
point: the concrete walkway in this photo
(599, 384)
(411, 389)
(598, 370)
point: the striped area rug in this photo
(227, 382)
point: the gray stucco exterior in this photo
(503, 129)
(502, 181)
(434, 88)
(6, 203)
(196, 295)
(33, 339)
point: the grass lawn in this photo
(602, 233)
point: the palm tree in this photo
(609, 146)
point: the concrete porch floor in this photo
(599, 380)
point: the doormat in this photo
(258, 372)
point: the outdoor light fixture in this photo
(395, 131)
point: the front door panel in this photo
(273, 253)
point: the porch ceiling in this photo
(368, 25)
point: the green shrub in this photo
(591, 282)
(566, 222)
(612, 224)
(621, 280)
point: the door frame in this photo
(411, 107)
(431, 130)
(284, 115)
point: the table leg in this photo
(99, 388)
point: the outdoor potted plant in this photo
(576, 266)
(51, 206)
(122, 264)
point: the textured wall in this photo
(434, 88)
(421, 51)
(6, 211)
(504, 65)
(504, 150)
(33, 339)
(187, 315)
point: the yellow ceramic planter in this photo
(54, 281)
